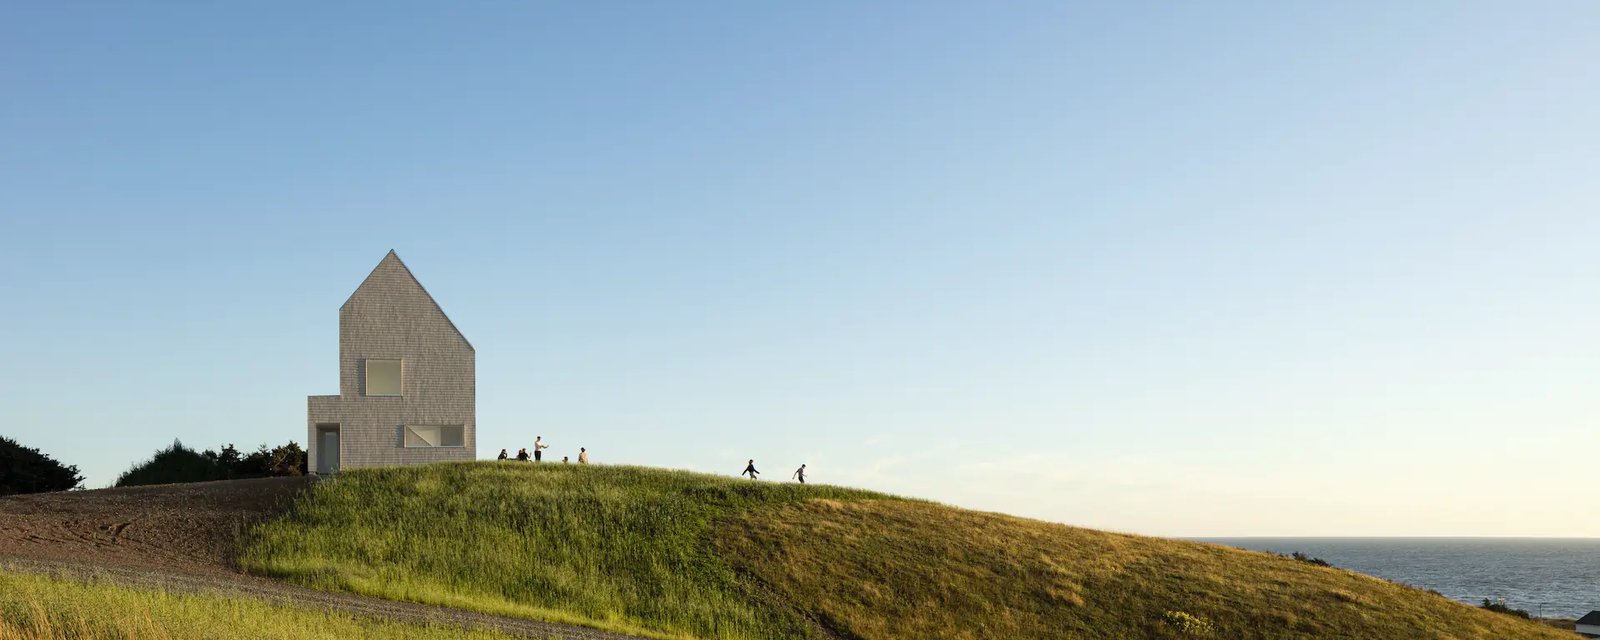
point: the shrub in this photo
(1189, 625)
(28, 470)
(1309, 560)
(178, 463)
(1499, 606)
(287, 460)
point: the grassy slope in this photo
(931, 571)
(676, 554)
(44, 608)
(621, 548)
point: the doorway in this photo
(327, 448)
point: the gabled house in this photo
(1589, 625)
(406, 381)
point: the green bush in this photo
(1309, 560)
(178, 463)
(1499, 606)
(28, 470)
(286, 460)
(1191, 626)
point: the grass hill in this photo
(674, 554)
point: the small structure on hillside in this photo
(406, 381)
(1589, 625)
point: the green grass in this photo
(676, 554)
(621, 548)
(46, 608)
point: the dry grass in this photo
(681, 555)
(894, 569)
(45, 608)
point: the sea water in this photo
(1558, 576)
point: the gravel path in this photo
(183, 538)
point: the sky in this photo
(1183, 269)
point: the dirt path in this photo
(185, 538)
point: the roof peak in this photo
(395, 258)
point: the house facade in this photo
(407, 388)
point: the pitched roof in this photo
(1592, 617)
(394, 258)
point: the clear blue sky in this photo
(1172, 268)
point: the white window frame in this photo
(408, 430)
(366, 377)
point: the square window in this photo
(383, 377)
(435, 436)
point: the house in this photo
(1589, 625)
(406, 381)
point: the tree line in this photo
(29, 470)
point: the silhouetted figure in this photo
(502, 455)
(800, 474)
(538, 448)
(522, 454)
(750, 469)
(583, 455)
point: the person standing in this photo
(538, 448)
(750, 469)
(800, 474)
(583, 455)
(502, 455)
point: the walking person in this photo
(502, 455)
(750, 469)
(800, 474)
(538, 448)
(583, 455)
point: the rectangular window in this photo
(435, 436)
(383, 377)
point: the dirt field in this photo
(184, 537)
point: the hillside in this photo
(677, 554)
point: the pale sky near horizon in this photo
(1194, 269)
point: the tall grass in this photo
(620, 548)
(889, 569)
(676, 554)
(45, 608)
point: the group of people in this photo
(750, 470)
(539, 445)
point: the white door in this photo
(328, 451)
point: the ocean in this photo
(1558, 576)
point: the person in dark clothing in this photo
(502, 455)
(800, 474)
(522, 455)
(750, 469)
